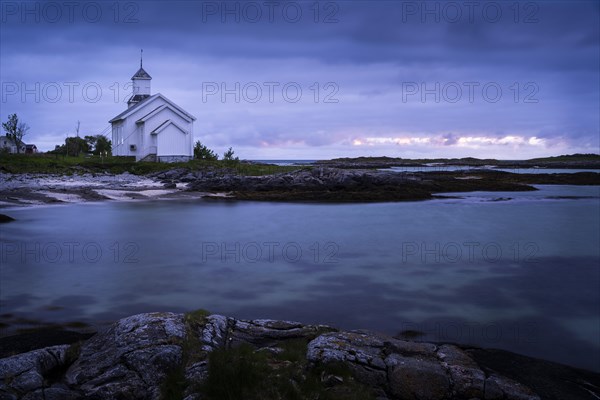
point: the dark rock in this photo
(38, 339)
(53, 393)
(324, 184)
(266, 332)
(26, 373)
(190, 177)
(412, 370)
(548, 379)
(133, 358)
(5, 218)
(418, 378)
(175, 173)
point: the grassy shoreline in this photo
(60, 164)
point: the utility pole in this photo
(77, 132)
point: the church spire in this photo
(141, 74)
(141, 84)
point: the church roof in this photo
(136, 98)
(131, 109)
(146, 101)
(141, 74)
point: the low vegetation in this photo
(249, 373)
(593, 159)
(68, 165)
(246, 373)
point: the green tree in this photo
(76, 145)
(98, 144)
(58, 149)
(15, 130)
(228, 155)
(201, 152)
(103, 145)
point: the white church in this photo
(153, 128)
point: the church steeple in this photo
(141, 84)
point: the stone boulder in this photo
(29, 375)
(136, 356)
(403, 370)
(131, 359)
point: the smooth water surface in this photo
(512, 270)
(448, 168)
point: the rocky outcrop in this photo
(411, 370)
(306, 179)
(27, 375)
(139, 350)
(138, 356)
(133, 358)
(325, 184)
(318, 183)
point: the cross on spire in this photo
(141, 56)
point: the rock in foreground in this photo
(190, 356)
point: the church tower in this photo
(141, 85)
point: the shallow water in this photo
(511, 270)
(442, 168)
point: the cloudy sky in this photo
(313, 80)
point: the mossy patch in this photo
(197, 316)
(175, 383)
(245, 373)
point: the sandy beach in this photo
(18, 190)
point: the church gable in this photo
(167, 124)
(160, 110)
(171, 139)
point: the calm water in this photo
(439, 168)
(518, 271)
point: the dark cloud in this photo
(369, 50)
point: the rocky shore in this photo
(202, 356)
(314, 184)
(324, 184)
(28, 189)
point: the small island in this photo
(44, 179)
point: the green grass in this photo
(244, 373)
(173, 387)
(175, 383)
(59, 164)
(197, 316)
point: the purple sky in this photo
(412, 79)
